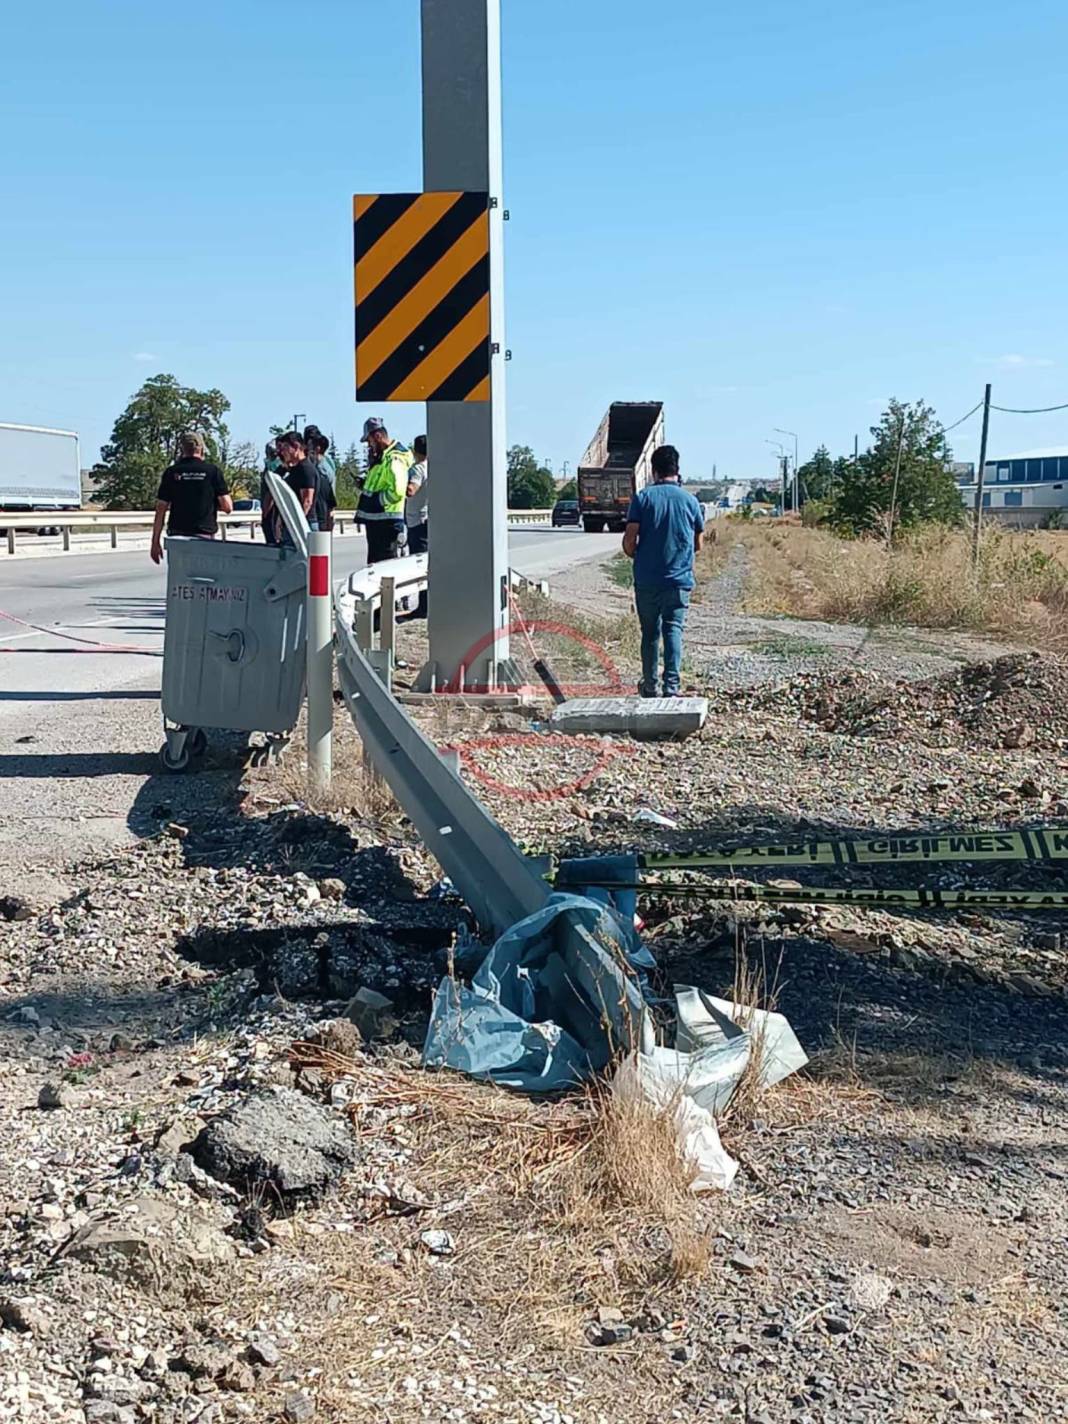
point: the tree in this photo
(242, 466)
(144, 439)
(568, 490)
(530, 485)
(351, 468)
(904, 478)
(817, 476)
(762, 495)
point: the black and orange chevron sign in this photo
(422, 281)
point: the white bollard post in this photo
(320, 662)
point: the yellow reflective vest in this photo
(382, 496)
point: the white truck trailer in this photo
(40, 469)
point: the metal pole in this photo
(980, 479)
(320, 662)
(462, 151)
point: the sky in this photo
(761, 212)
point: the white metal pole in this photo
(320, 662)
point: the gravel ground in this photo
(894, 1247)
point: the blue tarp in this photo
(556, 998)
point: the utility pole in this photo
(297, 419)
(462, 152)
(856, 449)
(779, 431)
(980, 479)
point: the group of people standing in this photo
(392, 505)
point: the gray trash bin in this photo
(234, 644)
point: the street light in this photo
(298, 418)
(779, 431)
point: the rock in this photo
(276, 1139)
(744, 1263)
(835, 1325)
(239, 1377)
(332, 888)
(1048, 940)
(56, 1094)
(339, 1036)
(683, 1354)
(153, 1240)
(173, 1138)
(372, 1013)
(204, 1359)
(24, 1316)
(438, 1243)
(105, 1411)
(609, 1334)
(1022, 735)
(299, 1407)
(1030, 788)
(26, 1016)
(121, 1043)
(609, 1315)
(117, 1389)
(175, 831)
(262, 1350)
(15, 908)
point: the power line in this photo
(947, 428)
(1038, 410)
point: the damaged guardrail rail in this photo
(562, 992)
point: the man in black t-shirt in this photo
(302, 478)
(192, 493)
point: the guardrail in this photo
(111, 521)
(372, 597)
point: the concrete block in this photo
(643, 717)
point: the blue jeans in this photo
(662, 613)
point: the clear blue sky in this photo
(761, 213)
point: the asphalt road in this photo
(116, 599)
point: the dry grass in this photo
(569, 1204)
(1019, 590)
(354, 790)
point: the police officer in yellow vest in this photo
(381, 504)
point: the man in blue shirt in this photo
(665, 528)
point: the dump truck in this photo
(616, 464)
(39, 469)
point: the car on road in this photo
(566, 511)
(246, 506)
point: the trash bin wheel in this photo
(198, 741)
(174, 763)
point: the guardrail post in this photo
(11, 541)
(114, 536)
(222, 531)
(364, 625)
(387, 618)
(320, 662)
(66, 538)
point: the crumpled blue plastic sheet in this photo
(554, 1001)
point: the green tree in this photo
(351, 468)
(144, 439)
(568, 490)
(763, 495)
(817, 475)
(530, 485)
(903, 480)
(242, 465)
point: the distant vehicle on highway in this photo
(39, 469)
(246, 506)
(566, 511)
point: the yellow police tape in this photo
(1047, 843)
(965, 898)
